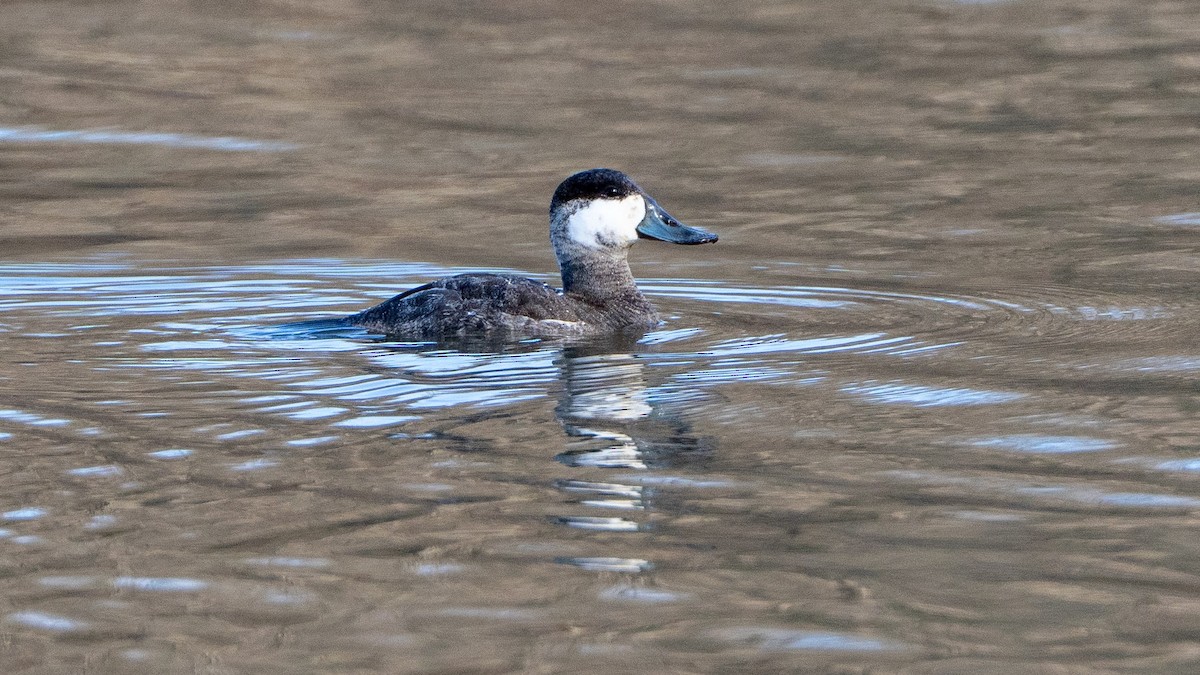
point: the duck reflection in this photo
(615, 420)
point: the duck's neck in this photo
(597, 278)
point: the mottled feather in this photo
(474, 303)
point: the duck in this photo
(595, 217)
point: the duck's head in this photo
(604, 210)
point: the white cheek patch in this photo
(606, 223)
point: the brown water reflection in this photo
(929, 406)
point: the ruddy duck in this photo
(595, 216)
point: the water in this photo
(929, 406)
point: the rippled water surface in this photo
(929, 406)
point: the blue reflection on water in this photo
(787, 639)
(32, 419)
(375, 421)
(600, 523)
(160, 584)
(28, 513)
(253, 465)
(1188, 465)
(1161, 364)
(309, 442)
(675, 481)
(900, 393)
(437, 569)
(113, 137)
(175, 453)
(1044, 445)
(1143, 499)
(652, 596)
(100, 522)
(772, 344)
(106, 471)
(46, 621)
(1185, 219)
(628, 565)
(1120, 313)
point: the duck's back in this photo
(475, 304)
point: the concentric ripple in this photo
(832, 319)
(235, 321)
(228, 339)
